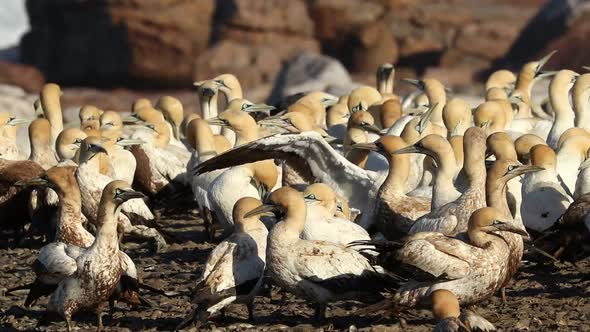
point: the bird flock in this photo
(393, 201)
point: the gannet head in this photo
(50, 100)
(9, 123)
(140, 103)
(385, 72)
(199, 134)
(391, 111)
(207, 89)
(361, 98)
(229, 85)
(119, 192)
(432, 145)
(496, 94)
(249, 107)
(90, 147)
(500, 145)
(503, 79)
(68, 142)
(490, 220)
(266, 176)
(523, 146)
(89, 117)
(363, 120)
(489, 115)
(543, 156)
(301, 108)
(111, 124)
(321, 194)
(62, 179)
(337, 115)
(173, 112)
(444, 304)
(279, 202)
(342, 208)
(186, 120)
(241, 208)
(506, 170)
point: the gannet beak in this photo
(371, 128)
(217, 122)
(207, 92)
(505, 227)
(263, 209)
(330, 139)
(33, 182)
(550, 73)
(131, 119)
(17, 121)
(526, 169)
(129, 142)
(585, 164)
(198, 83)
(586, 67)
(385, 71)
(98, 149)
(425, 118)
(543, 61)
(263, 108)
(329, 102)
(365, 146)
(417, 83)
(414, 110)
(126, 195)
(408, 149)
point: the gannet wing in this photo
(56, 261)
(443, 224)
(308, 153)
(435, 256)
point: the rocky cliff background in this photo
(134, 46)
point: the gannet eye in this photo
(151, 126)
(245, 106)
(511, 168)
(498, 222)
(311, 196)
(339, 207)
(78, 141)
(118, 191)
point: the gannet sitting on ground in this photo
(250, 180)
(8, 147)
(321, 223)
(235, 268)
(543, 198)
(320, 272)
(92, 183)
(95, 271)
(446, 310)
(472, 268)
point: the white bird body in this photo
(321, 225)
(543, 200)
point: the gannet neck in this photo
(385, 78)
(474, 147)
(435, 91)
(208, 100)
(399, 171)
(456, 116)
(524, 82)
(559, 97)
(50, 101)
(390, 112)
(295, 216)
(204, 141)
(580, 99)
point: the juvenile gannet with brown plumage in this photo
(8, 147)
(394, 211)
(40, 141)
(559, 97)
(543, 198)
(92, 182)
(321, 223)
(320, 272)
(96, 271)
(472, 267)
(234, 269)
(89, 116)
(249, 180)
(452, 217)
(446, 310)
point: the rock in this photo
(27, 77)
(148, 40)
(373, 46)
(309, 72)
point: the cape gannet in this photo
(95, 271)
(122, 161)
(173, 114)
(437, 98)
(320, 272)
(50, 102)
(570, 156)
(42, 152)
(446, 310)
(472, 269)
(92, 183)
(230, 86)
(543, 198)
(523, 146)
(571, 132)
(89, 116)
(385, 81)
(235, 268)
(321, 223)
(395, 212)
(456, 116)
(452, 218)
(8, 147)
(583, 180)
(559, 97)
(502, 78)
(250, 180)
(316, 102)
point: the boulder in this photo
(27, 77)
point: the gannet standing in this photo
(96, 271)
(543, 199)
(317, 271)
(234, 270)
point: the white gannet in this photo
(94, 272)
(250, 180)
(569, 157)
(543, 198)
(40, 140)
(8, 147)
(92, 183)
(472, 269)
(320, 272)
(559, 97)
(321, 224)
(235, 268)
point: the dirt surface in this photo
(540, 297)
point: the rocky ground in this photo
(540, 297)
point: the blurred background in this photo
(108, 52)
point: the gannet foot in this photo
(250, 307)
